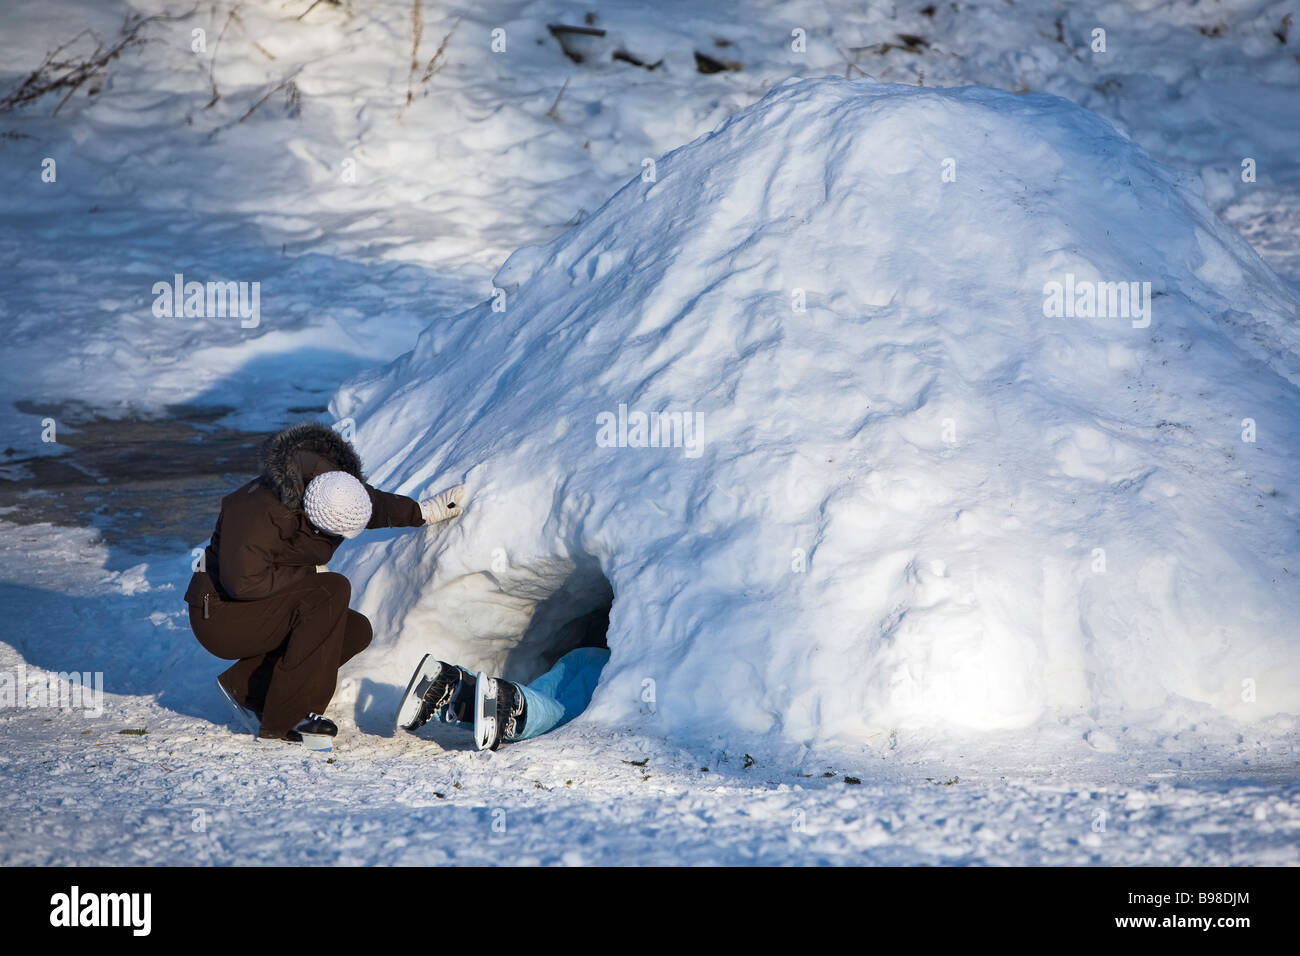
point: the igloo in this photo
(812, 408)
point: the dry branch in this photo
(69, 75)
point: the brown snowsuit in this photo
(260, 601)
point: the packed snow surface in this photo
(804, 394)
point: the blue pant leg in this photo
(563, 692)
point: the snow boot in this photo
(314, 731)
(498, 711)
(247, 718)
(430, 688)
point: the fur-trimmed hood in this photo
(279, 467)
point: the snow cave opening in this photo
(575, 614)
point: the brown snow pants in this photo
(288, 647)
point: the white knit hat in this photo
(337, 503)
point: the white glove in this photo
(322, 568)
(444, 505)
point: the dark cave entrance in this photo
(575, 615)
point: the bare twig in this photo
(435, 61)
(269, 93)
(417, 33)
(554, 111)
(851, 64)
(212, 64)
(54, 74)
(316, 4)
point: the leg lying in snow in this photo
(502, 710)
(563, 692)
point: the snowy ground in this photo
(79, 791)
(493, 152)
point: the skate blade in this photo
(412, 699)
(244, 717)
(483, 737)
(321, 742)
(485, 709)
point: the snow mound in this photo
(805, 397)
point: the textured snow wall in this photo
(805, 394)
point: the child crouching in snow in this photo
(502, 710)
(262, 596)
